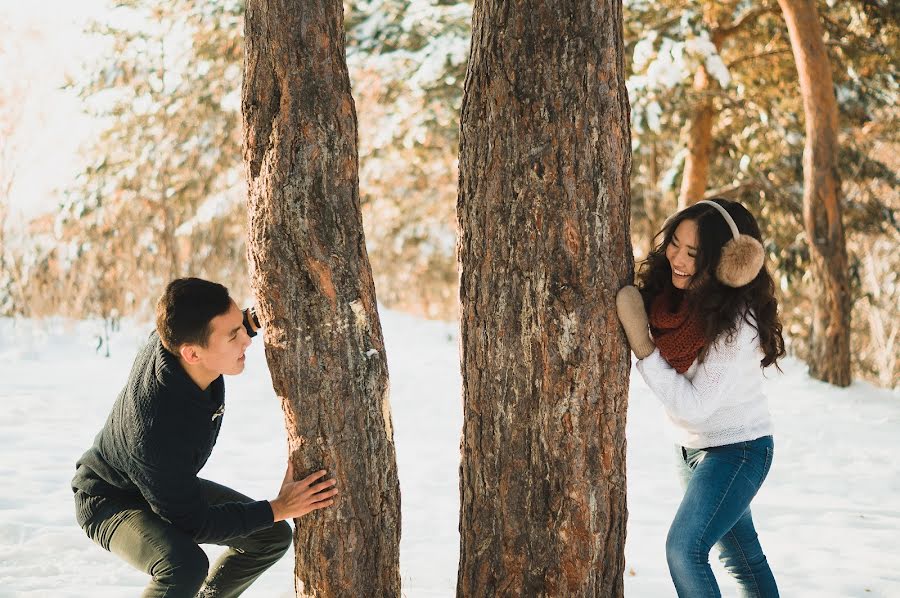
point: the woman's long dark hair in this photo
(719, 305)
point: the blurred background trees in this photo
(716, 110)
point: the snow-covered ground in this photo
(828, 515)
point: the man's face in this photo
(224, 353)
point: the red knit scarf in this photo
(678, 334)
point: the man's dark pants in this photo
(178, 565)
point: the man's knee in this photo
(282, 535)
(185, 569)
(273, 541)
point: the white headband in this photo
(731, 223)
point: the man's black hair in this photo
(185, 311)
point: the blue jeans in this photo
(719, 484)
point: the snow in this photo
(673, 63)
(828, 515)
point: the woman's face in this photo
(681, 252)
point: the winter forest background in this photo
(120, 159)
(121, 167)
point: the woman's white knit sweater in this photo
(719, 401)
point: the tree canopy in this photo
(164, 193)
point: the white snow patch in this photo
(828, 515)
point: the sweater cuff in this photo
(651, 357)
(259, 514)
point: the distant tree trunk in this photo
(695, 180)
(311, 276)
(699, 146)
(700, 138)
(170, 243)
(829, 354)
(545, 161)
(656, 203)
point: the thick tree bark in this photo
(311, 276)
(829, 346)
(545, 161)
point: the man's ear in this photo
(188, 353)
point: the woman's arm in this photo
(711, 386)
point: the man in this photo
(137, 493)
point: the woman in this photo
(713, 326)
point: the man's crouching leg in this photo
(178, 565)
(247, 557)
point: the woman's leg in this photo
(743, 557)
(740, 550)
(719, 487)
(688, 561)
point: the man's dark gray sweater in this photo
(160, 433)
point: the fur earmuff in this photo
(742, 259)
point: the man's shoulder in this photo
(151, 384)
(154, 369)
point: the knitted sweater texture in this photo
(719, 401)
(159, 434)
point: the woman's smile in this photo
(682, 249)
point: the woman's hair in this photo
(719, 305)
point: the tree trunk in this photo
(170, 243)
(545, 161)
(700, 139)
(829, 346)
(696, 163)
(695, 179)
(311, 276)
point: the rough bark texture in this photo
(311, 276)
(545, 161)
(829, 347)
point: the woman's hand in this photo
(633, 316)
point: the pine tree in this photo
(543, 217)
(311, 276)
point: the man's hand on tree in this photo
(296, 499)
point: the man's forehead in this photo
(228, 322)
